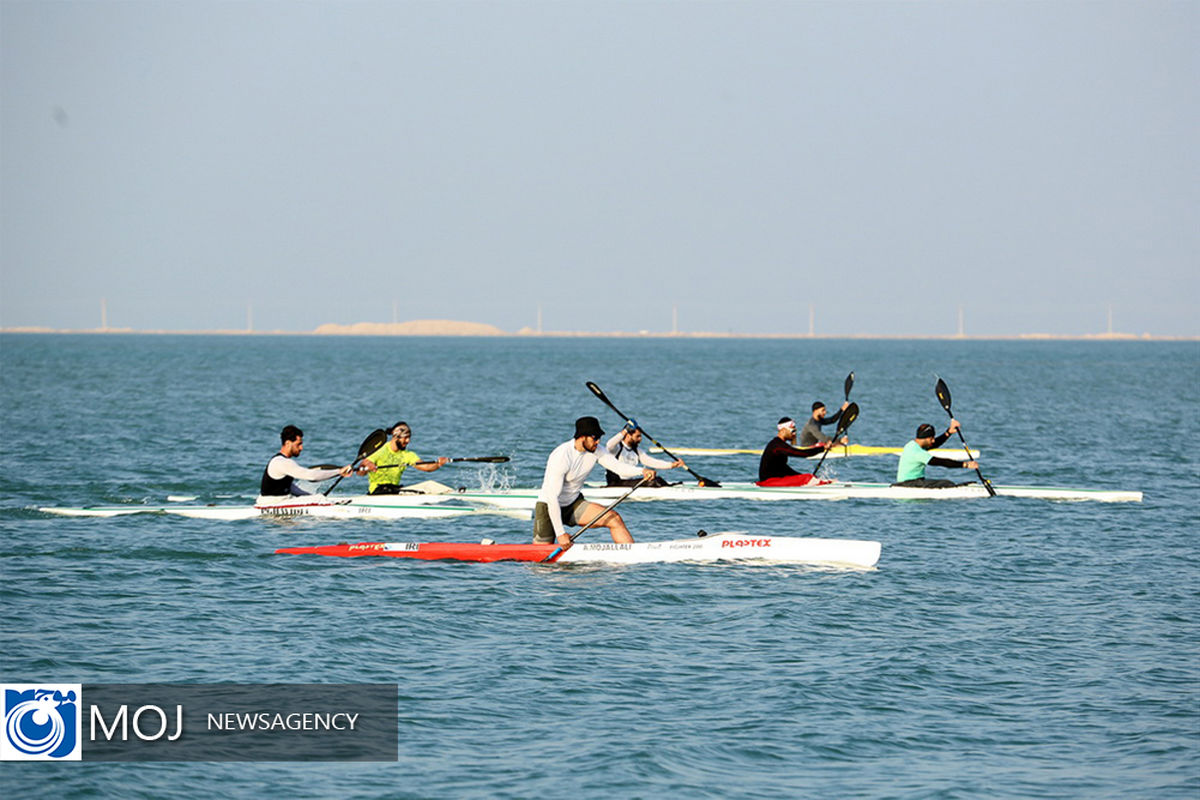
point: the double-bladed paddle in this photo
(376, 440)
(943, 395)
(596, 390)
(849, 414)
(847, 386)
(597, 518)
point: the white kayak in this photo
(838, 490)
(358, 507)
(841, 451)
(834, 490)
(715, 547)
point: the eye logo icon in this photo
(41, 722)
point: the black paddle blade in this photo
(376, 440)
(596, 390)
(849, 384)
(943, 395)
(847, 419)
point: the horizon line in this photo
(527, 333)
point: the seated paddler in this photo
(626, 447)
(773, 469)
(385, 467)
(916, 456)
(282, 471)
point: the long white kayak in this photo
(846, 451)
(713, 547)
(838, 490)
(520, 502)
(358, 507)
(835, 490)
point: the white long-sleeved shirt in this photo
(567, 469)
(281, 466)
(616, 446)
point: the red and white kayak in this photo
(713, 547)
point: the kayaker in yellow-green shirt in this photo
(386, 465)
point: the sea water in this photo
(1003, 647)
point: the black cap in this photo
(817, 404)
(926, 431)
(588, 426)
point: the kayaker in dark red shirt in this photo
(773, 469)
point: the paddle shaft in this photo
(596, 390)
(943, 395)
(479, 460)
(369, 445)
(597, 518)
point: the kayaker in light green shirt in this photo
(386, 465)
(916, 456)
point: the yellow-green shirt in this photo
(391, 464)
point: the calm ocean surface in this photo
(1003, 648)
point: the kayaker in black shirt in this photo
(282, 471)
(773, 469)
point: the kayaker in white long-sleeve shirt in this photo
(560, 502)
(626, 448)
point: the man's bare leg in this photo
(611, 520)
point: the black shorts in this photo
(543, 528)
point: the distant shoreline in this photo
(526, 334)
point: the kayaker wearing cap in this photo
(281, 473)
(625, 448)
(773, 469)
(560, 502)
(811, 433)
(386, 465)
(915, 456)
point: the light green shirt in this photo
(391, 466)
(913, 459)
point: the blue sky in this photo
(607, 161)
